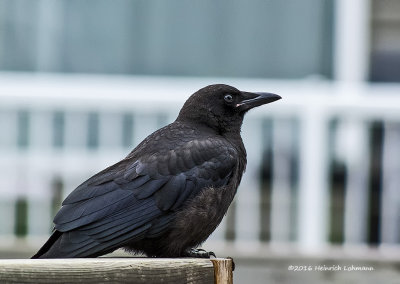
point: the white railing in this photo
(29, 171)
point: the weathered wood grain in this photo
(115, 270)
(223, 270)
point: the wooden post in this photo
(223, 268)
(116, 270)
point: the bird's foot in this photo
(233, 263)
(198, 253)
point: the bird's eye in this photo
(228, 98)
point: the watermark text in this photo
(334, 267)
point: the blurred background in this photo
(83, 82)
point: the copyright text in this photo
(335, 267)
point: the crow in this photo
(170, 193)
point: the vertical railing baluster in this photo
(8, 146)
(353, 145)
(38, 169)
(281, 196)
(110, 132)
(313, 187)
(390, 215)
(247, 221)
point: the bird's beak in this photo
(251, 100)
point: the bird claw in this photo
(199, 253)
(233, 263)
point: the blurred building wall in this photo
(288, 39)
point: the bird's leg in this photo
(198, 253)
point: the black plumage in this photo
(170, 193)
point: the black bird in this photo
(170, 193)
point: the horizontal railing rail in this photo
(116, 270)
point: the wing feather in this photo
(137, 197)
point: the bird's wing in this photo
(135, 198)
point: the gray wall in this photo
(260, 38)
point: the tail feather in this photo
(46, 247)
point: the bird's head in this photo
(222, 107)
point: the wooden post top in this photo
(116, 270)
